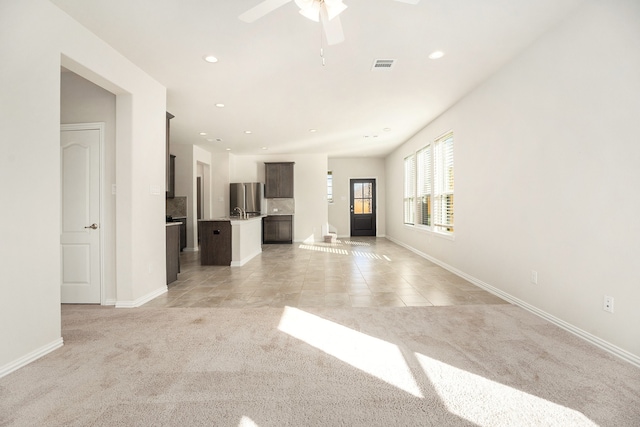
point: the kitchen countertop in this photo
(169, 224)
(234, 220)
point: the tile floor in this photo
(356, 272)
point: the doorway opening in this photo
(81, 236)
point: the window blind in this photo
(409, 189)
(443, 184)
(424, 183)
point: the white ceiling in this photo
(271, 78)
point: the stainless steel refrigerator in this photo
(249, 196)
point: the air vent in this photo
(383, 64)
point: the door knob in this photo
(92, 226)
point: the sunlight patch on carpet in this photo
(374, 356)
(247, 422)
(483, 402)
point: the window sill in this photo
(421, 229)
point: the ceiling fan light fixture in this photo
(312, 14)
(334, 8)
(311, 8)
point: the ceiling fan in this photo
(324, 11)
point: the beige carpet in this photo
(436, 366)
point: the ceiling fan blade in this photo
(261, 9)
(409, 1)
(332, 28)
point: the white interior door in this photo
(80, 216)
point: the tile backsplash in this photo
(177, 206)
(281, 206)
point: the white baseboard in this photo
(28, 358)
(605, 345)
(246, 259)
(110, 302)
(143, 299)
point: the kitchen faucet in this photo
(243, 214)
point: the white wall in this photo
(546, 170)
(309, 189)
(343, 170)
(36, 38)
(84, 102)
(219, 185)
(185, 185)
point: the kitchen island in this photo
(173, 250)
(230, 241)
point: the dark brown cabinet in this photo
(173, 252)
(170, 162)
(215, 242)
(183, 233)
(277, 229)
(171, 190)
(278, 180)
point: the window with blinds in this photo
(330, 187)
(409, 189)
(443, 184)
(423, 206)
(428, 186)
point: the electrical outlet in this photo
(534, 277)
(608, 304)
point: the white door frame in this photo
(99, 126)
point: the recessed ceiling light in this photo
(220, 105)
(219, 139)
(203, 133)
(210, 139)
(247, 132)
(313, 130)
(264, 148)
(228, 149)
(436, 54)
(210, 58)
(387, 129)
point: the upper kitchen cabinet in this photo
(278, 180)
(171, 174)
(170, 164)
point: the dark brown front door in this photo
(363, 207)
